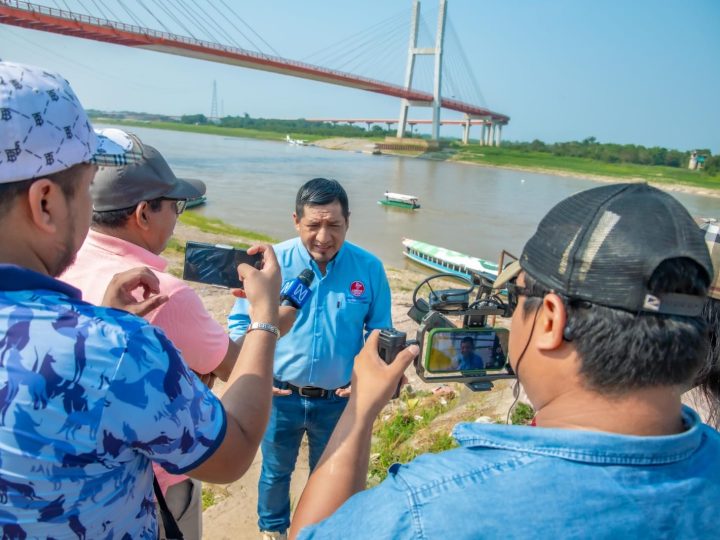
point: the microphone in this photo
(296, 292)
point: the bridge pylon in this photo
(413, 51)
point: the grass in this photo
(212, 130)
(217, 226)
(583, 166)
(522, 414)
(411, 414)
(208, 498)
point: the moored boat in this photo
(448, 261)
(197, 201)
(400, 200)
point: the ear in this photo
(45, 200)
(142, 215)
(347, 221)
(551, 323)
(297, 221)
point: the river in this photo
(476, 210)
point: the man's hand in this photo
(373, 381)
(261, 287)
(119, 291)
(281, 391)
(344, 392)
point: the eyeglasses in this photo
(180, 205)
(514, 292)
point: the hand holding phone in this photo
(217, 264)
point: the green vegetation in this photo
(208, 498)
(522, 414)
(217, 226)
(411, 414)
(511, 157)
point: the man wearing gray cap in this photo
(135, 208)
(606, 334)
(90, 396)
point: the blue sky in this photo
(641, 71)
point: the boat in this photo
(400, 200)
(197, 201)
(296, 142)
(448, 261)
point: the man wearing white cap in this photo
(90, 396)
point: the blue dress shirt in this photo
(531, 482)
(350, 300)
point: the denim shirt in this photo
(531, 482)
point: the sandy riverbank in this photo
(233, 516)
(360, 145)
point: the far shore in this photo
(366, 145)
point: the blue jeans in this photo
(290, 418)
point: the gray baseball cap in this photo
(149, 177)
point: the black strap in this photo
(172, 531)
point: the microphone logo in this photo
(297, 292)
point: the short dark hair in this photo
(622, 351)
(708, 379)
(468, 339)
(114, 219)
(67, 180)
(321, 191)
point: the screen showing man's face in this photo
(467, 348)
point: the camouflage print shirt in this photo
(89, 396)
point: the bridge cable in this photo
(367, 62)
(466, 64)
(115, 17)
(172, 15)
(250, 27)
(364, 49)
(104, 15)
(347, 39)
(210, 22)
(152, 14)
(234, 27)
(189, 14)
(130, 13)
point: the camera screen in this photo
(216, 264)
(452, 350)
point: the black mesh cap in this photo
(603, 245)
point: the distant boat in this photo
(448, 261)
(297, 142)
(400, 200)
(197, 201)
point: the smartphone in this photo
(466, 350)
(216, 264)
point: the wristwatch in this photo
(264, 326)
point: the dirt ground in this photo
(233, 516)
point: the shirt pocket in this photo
(350, 311)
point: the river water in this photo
(476, 210)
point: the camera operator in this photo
(606, 333)
(90, 396)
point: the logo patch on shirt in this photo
(357, 288)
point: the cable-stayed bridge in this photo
(190, 29)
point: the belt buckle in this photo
(310, 392)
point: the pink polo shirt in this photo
(201, 340)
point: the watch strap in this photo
(267, 327)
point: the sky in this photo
(641, 72)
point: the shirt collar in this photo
(587, 446)
(17, 278)
(123, 248)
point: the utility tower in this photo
(214, 105)
(413, 51)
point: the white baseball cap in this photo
(44, 128)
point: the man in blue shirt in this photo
(606, 334)
(313, 362)
(90, 396)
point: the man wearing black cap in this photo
(606, 334)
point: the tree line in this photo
(619, 153)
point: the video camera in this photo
(470, 351)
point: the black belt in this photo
(307, 391)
